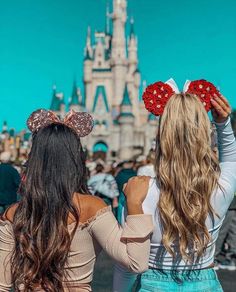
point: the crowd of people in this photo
(168, 219)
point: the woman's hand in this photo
(221, 109)
(136, 191)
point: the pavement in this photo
(104, 268)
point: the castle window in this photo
(99, 64)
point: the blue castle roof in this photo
(56, 101)
(126, 99)
(74, 96)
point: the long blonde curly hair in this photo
(187, 172)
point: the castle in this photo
(112, 81)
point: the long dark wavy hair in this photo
(55, 172)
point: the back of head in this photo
(5, 157)
(55, 171)
(99, 168)
(188, 172)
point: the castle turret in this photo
(108, 28)
(132, 48)
(75, 102)
(150, 132)
(126, 121)
(88, 67)
(119, 21)
(4, 127)
(118, 53)
(88, 48)
(57, 103)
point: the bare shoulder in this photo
(89, 206)
(10, 212)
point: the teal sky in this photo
(42, 42)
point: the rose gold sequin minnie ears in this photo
(157, 95)
(81, 122)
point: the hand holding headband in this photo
(157, 95)
(81, 122)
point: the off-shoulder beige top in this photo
(130, 246)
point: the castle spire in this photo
(74, 96)
(54, 103)
(88, 38)
(107, 30)
(88, 48)
(132, 34)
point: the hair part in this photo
(188, 173)
(55, 172)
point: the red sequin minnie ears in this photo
(157, 95)
(81, 122)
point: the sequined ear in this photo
(81, 122)
(156, 96)
(205, 90)
(41, 118)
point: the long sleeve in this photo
(6, 247)
(227, 156)
(129, 246)
(226, 141)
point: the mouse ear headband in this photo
(156, 95)
(81, 122)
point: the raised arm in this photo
(226, 140)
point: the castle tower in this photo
(133, 74)
(132, 48)
(112, 88)
(126, 121)
(118, 53)
(88, 66)
(150, 132)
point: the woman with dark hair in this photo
(49, 241)
(192, 190)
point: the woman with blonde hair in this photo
(192, 190)
(49, 241)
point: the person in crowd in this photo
(127, 171)
(9, 182)
(103, 185)
(139, 162)
(49, 241)
(148, 168)
(227, 237)
(191, 193)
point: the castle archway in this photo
(100, 150)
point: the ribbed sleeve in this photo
(226, 141)
(137, 226)
(130, 246)
(6, 247)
